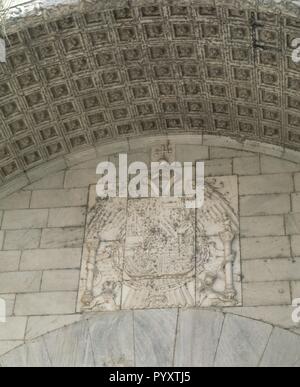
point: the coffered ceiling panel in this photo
(88, 72)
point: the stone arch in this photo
(102, 87)
(200, 339)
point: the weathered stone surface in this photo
(8, 345)
(154, 334)
(22, 239)
(55, 181)
(191, 153)
(275, 165)
(81, 178)
(295, 242)
(271, 270)
(218, 167)
(67, 217)
(47, 259)
(260, 226)
(255, 205)
(112, 339)
(296, 202)
(283, 350)
(14, 328)
(70, 347)
(59, 198)
(16, 201)
(20, 282)
(197, 338)
(222, 153)
(9, 260)
(297, 182)
(242, 342)
(40, 171)
(276, 315)
(292, 222)
(2, 235)
(265, 247)
(266, 293)
(295, 289)
(36, 304)
(246, 166)
(40, 325)
(23, 219)
(58, 238)
(203, 338)
(60, 280)
(266, 184)
(32, 355)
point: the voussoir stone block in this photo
(155, 332)
(8, 345)
(283, 350)
(275, 165)
(242, 342)
(218, 167)
(70, 347)
(246, 166)
(223, 153)
(40, 325)
(81, 178)
(112, 339)
(191, 153)
(33, 354)
(55, 181)
(197, 338)
(278, 315)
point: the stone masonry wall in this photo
(42, 232)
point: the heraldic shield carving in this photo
(156, 253)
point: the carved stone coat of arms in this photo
(156, 253)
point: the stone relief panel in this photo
(156, 253)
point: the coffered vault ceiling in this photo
(96, 71)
